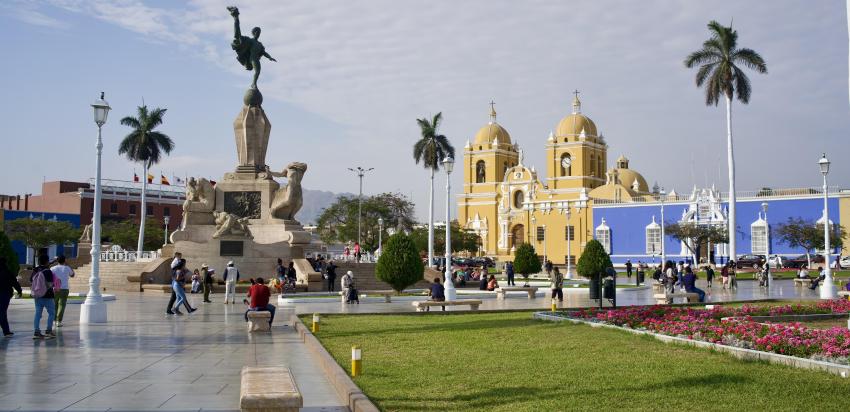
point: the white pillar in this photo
(451, 293)
(93, 309)
(827, 289)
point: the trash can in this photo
(640, 277)
(608, 288)
(594, 288)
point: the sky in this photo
(352, 77)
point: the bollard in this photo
(356, 363)
(316, 320)
(554, 306)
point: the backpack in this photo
(39, 285)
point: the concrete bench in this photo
(259, 321)
(501, 292)
(844, 293)
(387, 294)
(664, 298)
(269, 389)
(426, 305)
(802, 282)
(657, 287)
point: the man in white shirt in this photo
(231, 276)
(62, 273)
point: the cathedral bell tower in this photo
(576, 156)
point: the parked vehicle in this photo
(747, 261)
(844, 261)
(802, 260)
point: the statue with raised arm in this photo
(287, 200)
(248, 50)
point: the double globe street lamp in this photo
(93, 309)
(827, 289)
(451, 294)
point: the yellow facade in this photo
(507, 203)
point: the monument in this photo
(247, 217)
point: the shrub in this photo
(593, 261)
(399, 264)
(526, 260)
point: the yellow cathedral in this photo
(506, 203)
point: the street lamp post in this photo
(93, 309)
(451, 294)
(166, 219)
(380, 232)
(662, 194)
(360, 172)
(767, 247)
(827, 289)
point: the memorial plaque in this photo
(231, 248)
(243, 204)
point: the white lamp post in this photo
(767, 246)
(360, 172)
(380, 232)
(662, 194)
(451, 294)
(93, 309)
(827, 289)
(166, 219)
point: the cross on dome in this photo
(576, 103)
(492, 111)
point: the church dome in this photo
(492, 132)
(627, 178)
(576, 123)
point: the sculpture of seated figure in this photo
(287, 200)
(230, 224)
(200, 200)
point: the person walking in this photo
(207, 274)
(629, 269)
(670, 278)
(178, 280)
(42, 280)
(548, 267)
(709, 275)
(231, 276)
(357, 252)
(280, 272)
(331, 275)
(509, 270)
(8, 285)
(557, 281)
(63, 273)
(173, 298)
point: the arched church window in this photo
(480, 172)
(566, 165)
(518, 199)
(601, 166)
(506, 168)
(590, 170)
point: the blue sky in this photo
(352, 77)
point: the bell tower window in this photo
(566, 165)
(518, 199)
(480, 172)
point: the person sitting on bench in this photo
(689, 280)
(816, 281)
(259, 294)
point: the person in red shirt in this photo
(259, 294)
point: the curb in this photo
(344, 386)
(740, 353)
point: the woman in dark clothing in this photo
(8, 284)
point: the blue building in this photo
(25, 255)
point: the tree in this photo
(431, 149)
(7, 252)
(592, 264)
(399, 264)
(694, 236)
(124, 233)
(145, 146)
(38, 234)
(719, 61)
(526, 261)
(463, 240)
(338, 222)
(808, 235)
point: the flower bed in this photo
(734, 327)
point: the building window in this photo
(517, 236)
(704, 210)
(166, 211)
(759, 240)
(113, 209)
(480, 172)
(150, 211)
(570, 260)
(601, 167)
(566, 165)
(570, 233)
(592, 165)
(68, 250)
(603, 235)
(518, 199)
(541, 233)
(653, 238)
(132, 210)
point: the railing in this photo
(126, 186)
(765, 193)
(364, 258)
(129, 256)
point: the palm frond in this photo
(700, 57)
(703, 73)
(742, 85)
(131, 121)
(749, 58)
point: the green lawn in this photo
(510, 362)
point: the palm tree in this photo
(431, 149)
(720, 61)
(144, 145)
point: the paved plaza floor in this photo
(145, 360)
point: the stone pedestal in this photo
(252, 129)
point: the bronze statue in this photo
(248, 50)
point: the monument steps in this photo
(113, 276)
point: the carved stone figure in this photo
(248, 50)
(229, 224)
(86, 236)
(199, 203)
(287, 200)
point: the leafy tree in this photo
(694, 236)
(145, 145)
(526, 261)
(808, 235)
(124, 233)
(463, 240)
(593, 260)
(7, 252)
(399, 264)
(431, 149)
(720, 61)
(41, 233)
(338, 222)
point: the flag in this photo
(135, 177)
(150, 178)
(163, 180)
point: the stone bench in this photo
(387, 294)
(664, 298)
(658, 287)
(259, 321)
(844, 293)
(267, 389)
(501, 292)
(425, 306)
(801, 282)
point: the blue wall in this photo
(19, 247)
(628, 224)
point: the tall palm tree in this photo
(720, 61)
(431, 149)
(144, 145)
